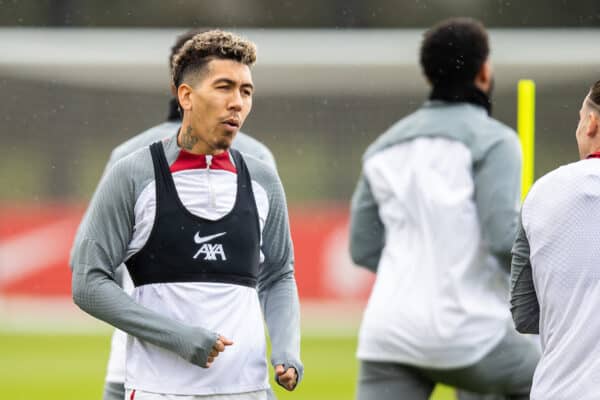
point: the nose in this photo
(236, 102)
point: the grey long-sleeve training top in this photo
(100, 247)
(496, 170)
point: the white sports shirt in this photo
(561, 219)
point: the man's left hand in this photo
(286, 378)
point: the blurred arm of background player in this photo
(523, 300)
(367, 234)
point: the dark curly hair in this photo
(453, 51)
(206, 46)
(594, 95)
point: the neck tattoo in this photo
(187, 139)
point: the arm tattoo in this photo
(187, 139)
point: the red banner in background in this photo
(35, 242)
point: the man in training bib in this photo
(115, 374)
(204, 233)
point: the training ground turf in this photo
(69, 367)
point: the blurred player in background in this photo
(434, 214)
(555, 268)
(114, 388)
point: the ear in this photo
(483, 79)
(184, 94)
(592, 128)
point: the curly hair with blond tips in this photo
(180, 41)
(198, 51)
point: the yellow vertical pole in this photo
(526, 130)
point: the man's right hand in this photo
(219, 346)
(201, 346)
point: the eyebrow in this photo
(232, 82)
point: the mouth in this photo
(232, 123)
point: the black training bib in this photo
(183, 247)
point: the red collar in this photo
(594, 155)
(187, 160)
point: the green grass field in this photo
(65, 367)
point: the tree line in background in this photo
(296, 14)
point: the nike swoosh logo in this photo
(201, 239)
